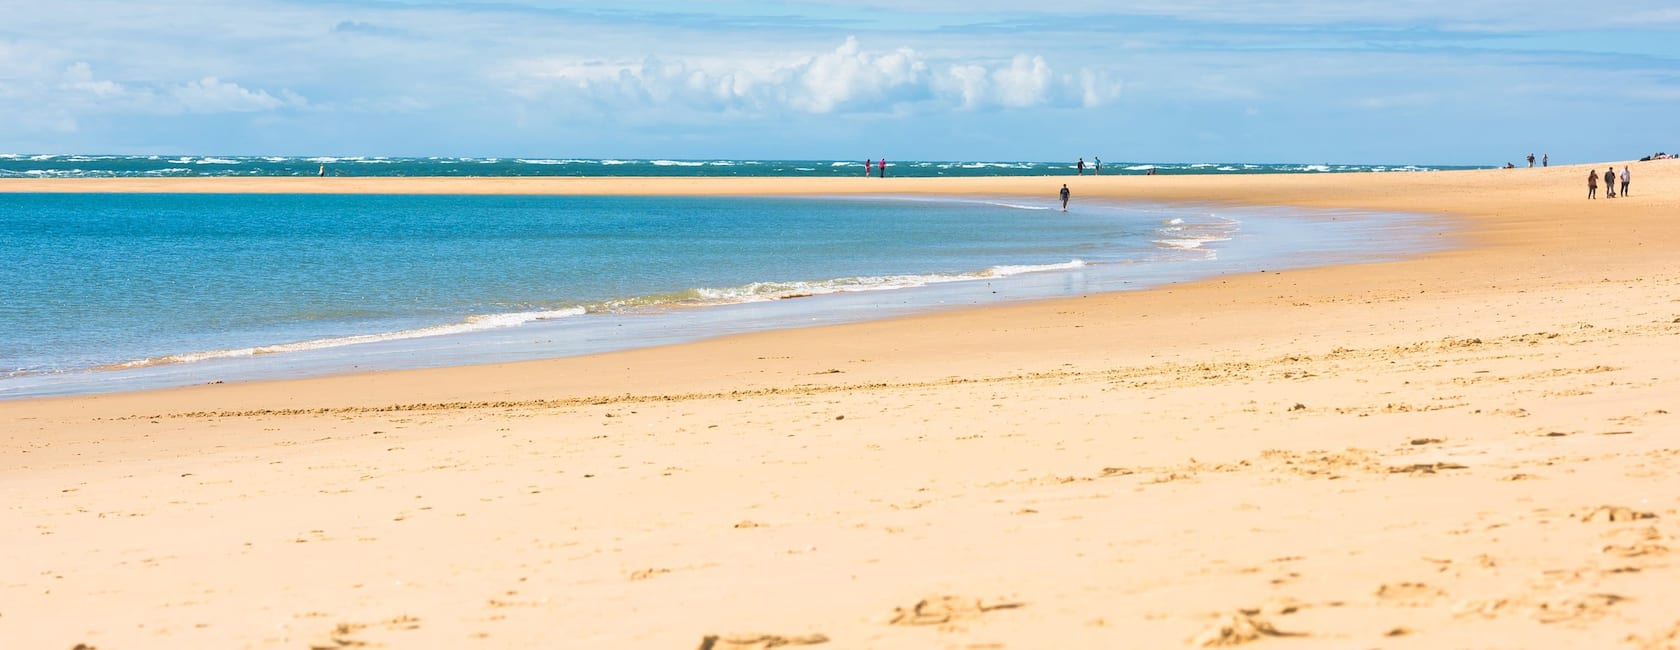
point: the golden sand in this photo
(1474, 448)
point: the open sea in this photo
(78, 166)
(107, 292)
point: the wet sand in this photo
(1474, 448)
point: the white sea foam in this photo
(677, 163)
(1008, 270)
(610, 161)
(768, 291)
(1187, 244)
(470, 324)
(1017, 206)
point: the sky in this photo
(1472, 82)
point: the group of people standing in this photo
(1609, 179)
(869, 167)
(1095, 169)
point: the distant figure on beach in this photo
(1065, 194)
(1531, 160)
(1151, 172)
(868, 166)
(1592, 184)
(883, 168)
(1625, 178)
(1096, 165)
(1545, 159)
(1509, 166)
(322, 172)
(1610, 182)
(1081, 166)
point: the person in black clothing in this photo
(1065, 194)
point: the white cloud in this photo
(212, 95)
(849, 75)
(79, 78)
(1097, 88)
(79, 90)
(1026, 82)
(846, 79)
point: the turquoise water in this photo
(120, 291)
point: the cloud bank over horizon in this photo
(1269, 81)
(847, 79)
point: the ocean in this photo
(83, 166)
(108, 292)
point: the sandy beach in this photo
(1476, 448)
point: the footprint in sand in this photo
(1582, 606)
(1237, 628)
(757, 641)
(1635, 542)
(1665, 640)
(1424, 468)
(938, 610)
(1408, 594)
(1600, 514)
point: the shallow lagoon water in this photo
(120, 292)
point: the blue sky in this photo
(1348, 81)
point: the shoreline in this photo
(1275, 238)
(1467, 445)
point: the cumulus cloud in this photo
(212, 95)
(850, 76)
(846, 79)
(82, 91)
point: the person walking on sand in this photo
(1530, 161)
(1625, 178)
(1592, 184)
(1610, 182)
(1065, 194)
(1545, 159)
(322, 171)
(1096, 166)
(883, 168)
(1081, 166)
(868, 166)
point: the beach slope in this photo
(1475, 448)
